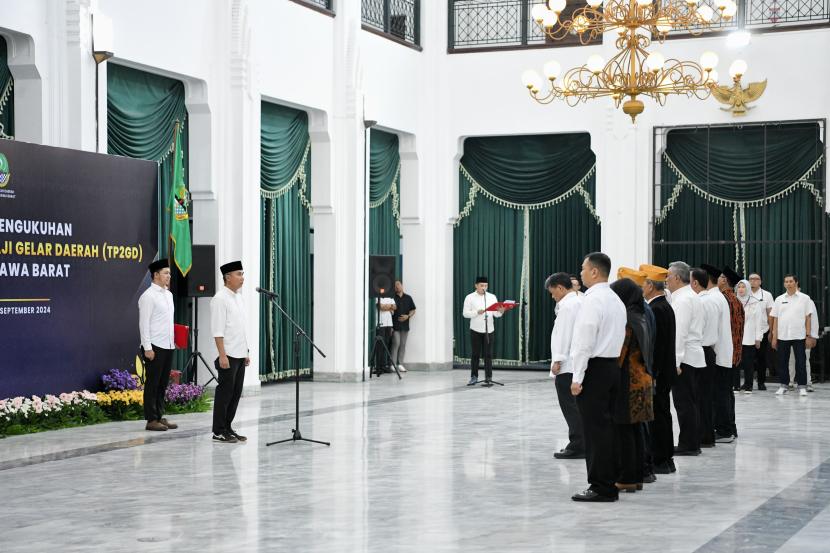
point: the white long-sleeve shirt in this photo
(688, 316)
(723, 346)
(475, 301)
(563, 329)
(599, 330)
(155, 318)
(755, 320)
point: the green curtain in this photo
(286, 267)
(6, 94)
(526, 210)
(142, 109)
(748, 196)
(384, 205)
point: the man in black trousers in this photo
(155, 325)
(227, 321)
(599, 333)
(662, 438)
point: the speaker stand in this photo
(190, 368)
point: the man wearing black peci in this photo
(482, 331)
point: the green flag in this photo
(177, 206)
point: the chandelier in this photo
(633, 71)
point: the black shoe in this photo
(649, 479)
(723, 439)
(707, 445)
(224, 438)
(686, 452)
(473, 381)
(569, 454)
(762, 387)
(664, 468)
(592, 496)
(239, 437)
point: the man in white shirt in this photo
(227, 321)
(809, 344)
(763, 359)
(598, 336)
(717, 346)
(155, 326)
(689, 318)
(385, 308)
(482, 329)
(790, 329)
(567, 308)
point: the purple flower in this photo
(183, 393)
(120, 380)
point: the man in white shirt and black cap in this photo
(227, 321)
(155, 325)
(791, 327)
(567, 308)
(482, 331)
(598, 336)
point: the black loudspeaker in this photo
(201, 280)
(381, 276)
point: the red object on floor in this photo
(180, 335)
(175, 377)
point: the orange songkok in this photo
(655, 273)
(637, 276)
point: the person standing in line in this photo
(726, 430)
(688, 313)
(664, 368)
(599, 333)
(567, 307)
(809, 344)
(227, 321)
(790, 329)
(155, 325)
(717, 346)
(482, 329)
(577, 285)
(404, 311)
(754, 324)
(764, 360)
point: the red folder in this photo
(507, 305)
(180, 335)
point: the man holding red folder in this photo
(478, 307)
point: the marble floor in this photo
(424, 464)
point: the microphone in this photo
(267, 292)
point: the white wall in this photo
(232, 54)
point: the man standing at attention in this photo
(567, 308)
(725, 429)
(404, 311)
(688, 315)
(155, 325)
(227, 320)
(482, 331)
(599, 333)
(790, 329)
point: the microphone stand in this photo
(298, 331)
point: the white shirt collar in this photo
(157, 288)
(597, 286)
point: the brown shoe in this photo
(628, 488)
(156, 426)
(168, 424)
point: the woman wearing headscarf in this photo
(634, 399)
(754, 318)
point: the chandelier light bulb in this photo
(644, 3)
(737, 69)
(556, 5)
(730, 10)
(552, 69)
(550, 19)
(594, 3)
(595, 64)
(709, 60)
(529, 78)
(663, 25)
(538, 13)
(706, 13)
(655, 62)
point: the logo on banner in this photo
(5, 172)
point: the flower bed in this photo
(123, 399)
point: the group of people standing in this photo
(621, 352)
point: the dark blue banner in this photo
(77, 231)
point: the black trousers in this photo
(662, 434)
(156, 379)
(631, 452)
(228, 392)
(567, 403)
(685, 403)
(706, 397)
(644, 431)
(482, 347)
(764, 360)
(725, 402)
(749, 360)
(596, 406)
(784, 362)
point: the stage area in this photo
(425, 464)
